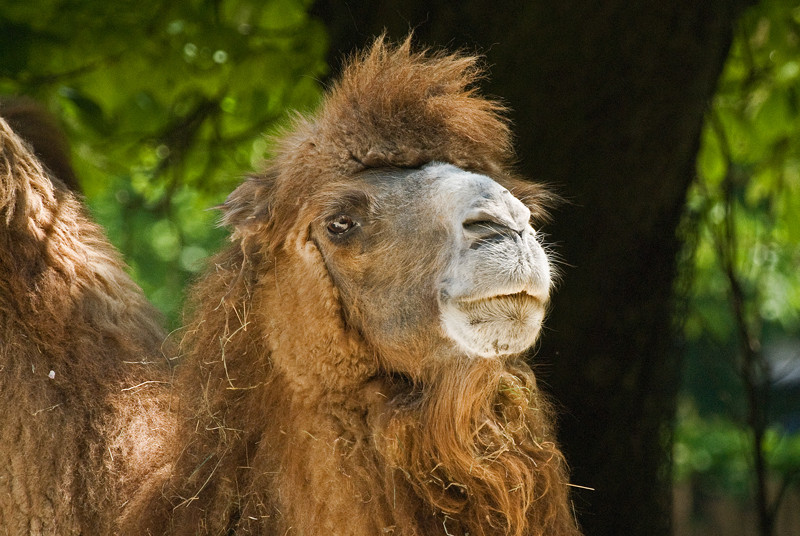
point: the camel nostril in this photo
(484, 226)
(493, 214)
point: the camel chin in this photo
(494, 300)
(494, 326)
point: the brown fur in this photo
(292, 423)
(82, 375)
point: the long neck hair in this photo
(476, 445)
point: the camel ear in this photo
(249, 206)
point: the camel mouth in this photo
(512, 309)
(522, 297)
(496, 324)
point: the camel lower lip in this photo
(495, 324)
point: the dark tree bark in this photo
(608, 101)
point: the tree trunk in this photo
(608, 101)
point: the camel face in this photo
(434, 263)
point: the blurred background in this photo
(673, 132)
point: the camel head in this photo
(399, 190)
(434, 263)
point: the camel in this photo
(84, 383)
(353, 360)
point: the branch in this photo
(754, 367)
(52, 78)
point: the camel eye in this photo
(340, 224)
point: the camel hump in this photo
(25, 189)
(41, 131)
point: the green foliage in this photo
(717, 452)
(165, 104)
(745, 207)
(713, 450)
(752, 139)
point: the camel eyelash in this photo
(357, 205)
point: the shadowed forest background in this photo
(672, 131)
